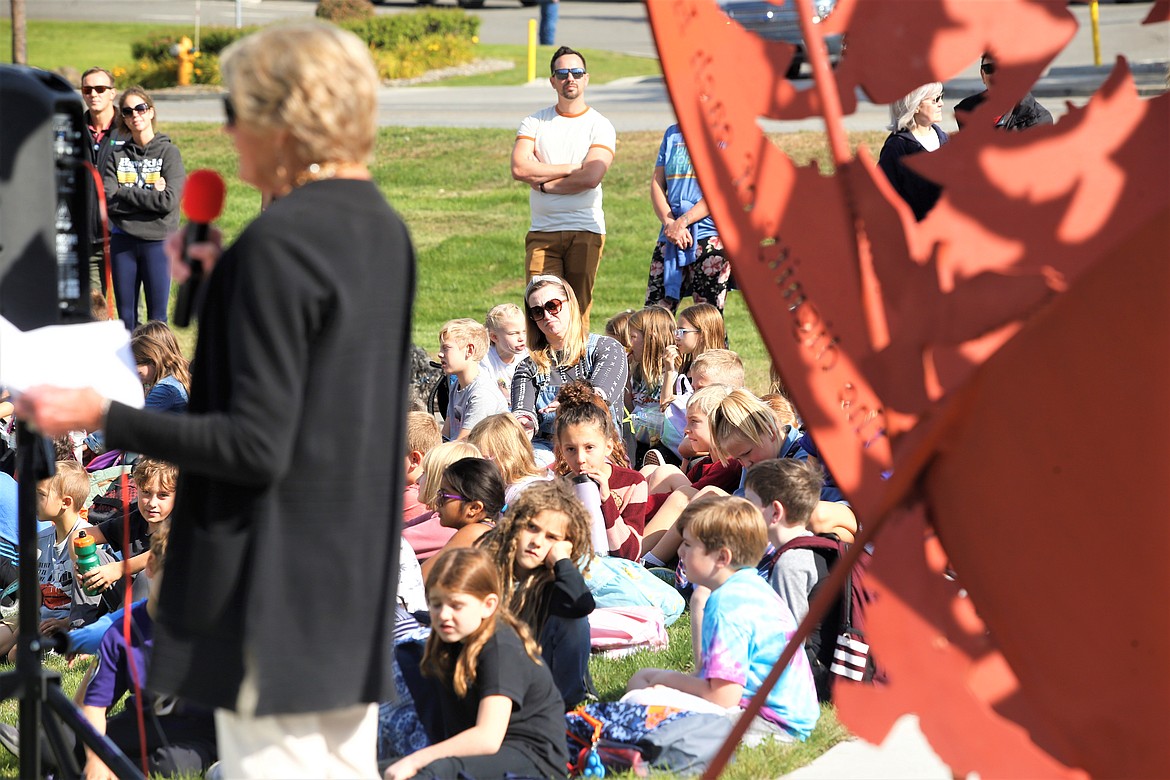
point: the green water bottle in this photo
(87, 557)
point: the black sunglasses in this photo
(988, 68)
(100, 89)
(564, 73)
(552, 306)
(141, 108)
(229, 111)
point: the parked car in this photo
(781, 23)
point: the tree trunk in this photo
(19, 34)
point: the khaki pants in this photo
(334, 744)
(573, 255)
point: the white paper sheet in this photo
(90, 354)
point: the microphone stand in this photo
(30, 683)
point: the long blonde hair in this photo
(708, 320)
(529, 600)
(657, 327)
(436, 461)
(500, 438)
(576, 339)
(742, 414)
(472, 571)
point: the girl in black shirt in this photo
(501, 711)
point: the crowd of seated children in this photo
(502, 440)
(508, 334)
(587, 443)
(473, 394)
(745, 431)
(541, 546)
(63, 602)
(469, 501)
(424, 531)
(741, 630)
(155, 482)
(499, 710)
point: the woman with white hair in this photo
(914, 122)
(276, 607)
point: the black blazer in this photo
(287, 522)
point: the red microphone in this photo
(202, 203)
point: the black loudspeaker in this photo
(44, 200)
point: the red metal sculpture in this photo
(989, 386)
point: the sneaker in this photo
(653, 458)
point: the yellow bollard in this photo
(1095, 18)
(532, 50)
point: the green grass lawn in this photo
(468, 220)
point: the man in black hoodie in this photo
(1025, 114)
(104, 135)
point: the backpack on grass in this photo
(838, 647)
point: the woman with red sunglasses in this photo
(560, 350)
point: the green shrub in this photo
(403, 46)
(388, 32)
(216, 39)
(344, 10)
(412, 59)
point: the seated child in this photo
(501, 712)
(503, 441)
(540, 546)
(507, 332)
(155, 481)
(424, 532)
(747, 431)
(787, 492)
(743, 630)
(712, 367)
(587, 443)
(470, 499)
(422, 435)
(63, 603)
(701, 469)
(462, 344)
(180, 736)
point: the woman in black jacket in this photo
(278, 603)
(144, 180)
(914, 120)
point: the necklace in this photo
(315, 172)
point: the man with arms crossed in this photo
(562, 153)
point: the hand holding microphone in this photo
(202, 203)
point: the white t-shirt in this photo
(563, 139)
(499, 372)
